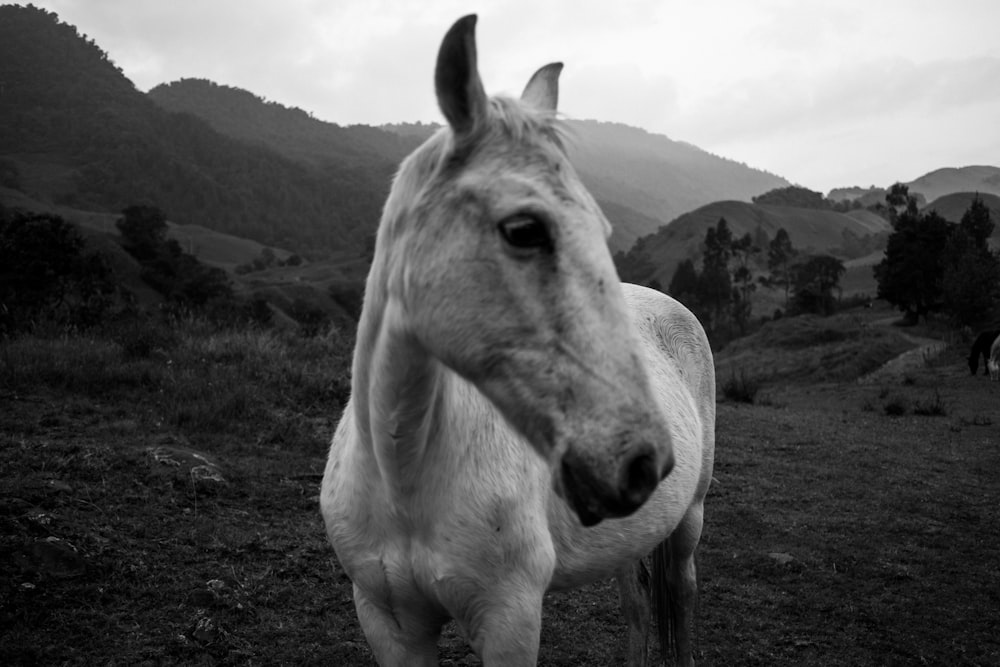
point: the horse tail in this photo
(663, 606)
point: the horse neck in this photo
(398, 388)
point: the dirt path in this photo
(893, 370)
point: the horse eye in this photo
(525, 231)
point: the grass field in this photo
(158, 506)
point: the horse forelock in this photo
(509, 129)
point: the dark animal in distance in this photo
(981, 348)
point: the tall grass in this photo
(261, 385)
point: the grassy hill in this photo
(953, 206)
(809, 348)
(331, 285)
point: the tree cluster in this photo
(799, 197)
(721, 293)
(48, 275)
(178, 276)
(265, 260)
(932, 265)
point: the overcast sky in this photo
(826, 94)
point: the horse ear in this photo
(542, 91)
(459, 90)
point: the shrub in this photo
(741, 387)
(48, 277)
(931, 408)
(896, 407)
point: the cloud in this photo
(866, 91)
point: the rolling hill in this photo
(953, 206)
(844, 235)
(940, 182)
(931, 186)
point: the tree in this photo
(684, 284)
(910, 274)
(144, 231)
(742, 250)
(46, 274)
(970, 282)
(780, 255)
(815, 280)
(977, 223)
(714, 284)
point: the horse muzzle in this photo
(626, 486)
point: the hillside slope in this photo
(291, 132)
(656, 176)
(810, 230)
(953, 206)
(948, 180)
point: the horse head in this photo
(499, 257)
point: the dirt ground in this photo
(848, 524)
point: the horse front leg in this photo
(507, 627)
(399, 637)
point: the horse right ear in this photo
(460, 92)
(542, 91)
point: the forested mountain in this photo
(294, 133)
(76, 132)
(656, 176)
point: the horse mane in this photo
(509, 121)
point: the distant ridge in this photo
(656, 176)
(947, 180)
(932, 185)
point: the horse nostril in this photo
(668, 465)
(639, 478)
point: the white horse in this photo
(993, 364)
(494, 324)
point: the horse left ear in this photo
(542, 91)
(460, 92)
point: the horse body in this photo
(519, 420)
(461, 531)
(993, 364)
(982, 347)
